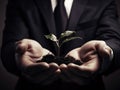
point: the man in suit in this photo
(27, 22)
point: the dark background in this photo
(8, 81)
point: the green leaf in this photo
(67, 33)
(69, 39)
(51, 37)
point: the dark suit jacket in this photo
(91, 19)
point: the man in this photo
(27, 22)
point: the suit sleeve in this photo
(15, 29)
(109, 31)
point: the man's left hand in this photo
(91, 55)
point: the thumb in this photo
(21, 47)
(105, 54)
(103, 50)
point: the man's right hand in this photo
(27, 53)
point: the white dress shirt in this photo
(67, 3)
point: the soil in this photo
(59, 60)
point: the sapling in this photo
(64, 37)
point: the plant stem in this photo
(58, 48)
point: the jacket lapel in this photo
(46, 10)
(77, 10)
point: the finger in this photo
(79, 71)
(106, 57)
(69, 76)
(55, 67)
(109, 51)
(103, 49)
(64, 74)
(41, 76)
(36, 68)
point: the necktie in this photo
(60, 16)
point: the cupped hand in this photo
(91, 55)
(27, 52)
